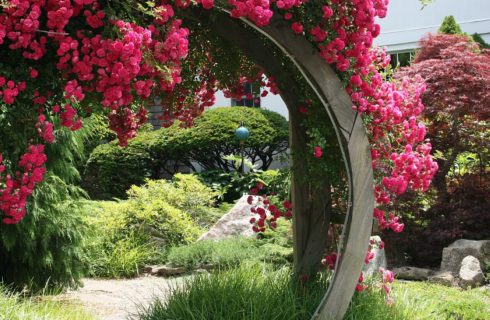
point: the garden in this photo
(126, 193)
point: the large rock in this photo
(458, 250)
(444, 278)
(235, 223)
(470, 273)
(412, 273)
(379, 260)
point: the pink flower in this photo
(297, 27)
(317, 152)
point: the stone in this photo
(235, 223)
(458, 250)
(166, 271)
(412, 273)
(470, 273)
(206, 266)
(147, 269)
(444, 278)
(379, 260)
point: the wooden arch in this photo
(310, 228)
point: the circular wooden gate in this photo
(355, 149)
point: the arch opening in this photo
(309, 226)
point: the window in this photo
(402, 59)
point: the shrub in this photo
(231, 185)
(212, 137)
(111, 170)
(129, 234)
(47, 248)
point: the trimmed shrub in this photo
(111, 170)
(212, 137)
(230, 186)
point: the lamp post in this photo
(242, 134)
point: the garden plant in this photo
(63, 61)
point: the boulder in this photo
(379, 260)
(412, 273)
(444, 278)
(470, 273)
(458, 250)
(235, 223)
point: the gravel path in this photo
(117, 299)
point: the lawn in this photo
(14, 307)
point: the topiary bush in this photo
(212, 137)
(111, 170)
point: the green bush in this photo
(46, 249)
(129, 234)
(212, 137)
(450, 26)
(230, 186)
(111, 170)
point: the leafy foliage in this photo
(129, 234)
(165, 151)
(212, 137)
(111, 170)
(230, 186)
(450, 26)
(478, 39)
(457, 97)
(47, 248)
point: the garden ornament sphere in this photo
(242, 133)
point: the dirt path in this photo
(117, 299)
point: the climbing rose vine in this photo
(84, 56)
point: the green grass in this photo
(13, 307)
(249, 292)
(228, 253)
(438, 302)
(257, 292)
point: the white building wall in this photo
(406, 21)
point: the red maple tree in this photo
(457, 99)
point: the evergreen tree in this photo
(478, 39)
(450, 26)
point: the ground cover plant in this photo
(259, 292)
(274, 248)
(129, 234)
(15, 307)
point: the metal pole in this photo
(242, 164)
